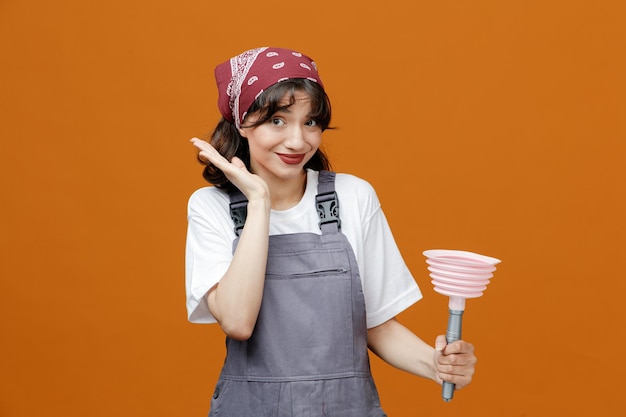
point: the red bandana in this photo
(243, 78)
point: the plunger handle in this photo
(452, 335)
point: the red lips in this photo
(291, 159)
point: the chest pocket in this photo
(308, 263)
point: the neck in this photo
(287, 193)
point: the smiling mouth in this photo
(291, 159)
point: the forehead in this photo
(296, 97)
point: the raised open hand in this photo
(251, 185)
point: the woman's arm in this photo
(235, 301)
(399, 347)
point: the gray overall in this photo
(307, 356)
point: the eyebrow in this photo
(310, 115)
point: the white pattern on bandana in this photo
(239, 67)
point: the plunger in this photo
(459, 275)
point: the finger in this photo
(238, 163)
(202, 145)
(209, 154)
(458, 347)
(199, 143)
(456, 373)
(440, 343)
(457, 360)
(459, 380)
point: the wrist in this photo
(259, 204)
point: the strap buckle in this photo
(328, 208)
(239, 212)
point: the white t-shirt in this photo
(388, 285)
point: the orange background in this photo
(492, 126)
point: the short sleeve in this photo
(208, 249)
(388, 285)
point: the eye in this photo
(276, 121)
(311, 123)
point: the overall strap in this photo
(238, 209)
(327, 203)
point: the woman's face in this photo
(282, 145)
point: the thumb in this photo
(440, 343)
(238, 162)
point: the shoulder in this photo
(352, 180)
(208, 194)
(208, 199)
(351, 187)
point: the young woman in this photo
(296, 264)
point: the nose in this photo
(295, 138)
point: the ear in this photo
(242, 132)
